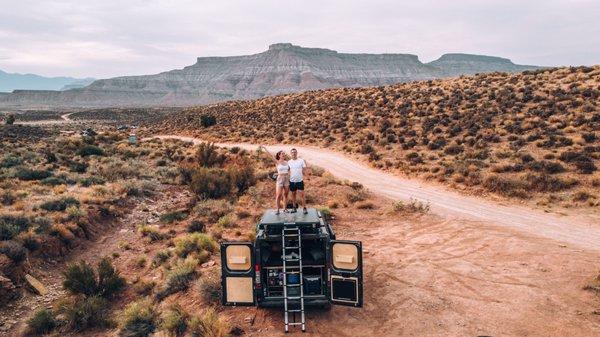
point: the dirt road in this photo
(575, 230)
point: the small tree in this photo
(9, 119)
(81, 279)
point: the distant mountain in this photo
(10, 82)
(467, 64)
(283, 68)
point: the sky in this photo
(110, 38)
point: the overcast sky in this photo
(128, 37)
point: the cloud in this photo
(112, 38)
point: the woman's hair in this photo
(278, 155)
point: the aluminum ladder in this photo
(292, 265)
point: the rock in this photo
(8, 291)
(208, 264)
(36, 285)
(249, 320)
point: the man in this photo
(298, 169)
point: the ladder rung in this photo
(295, 323)
(294, 310)
(295, 297)
(292, 272)
(294, 285)
(292, 247)
(291, 235)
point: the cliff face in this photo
(283, 68)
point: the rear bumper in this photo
(278, 302)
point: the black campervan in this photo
(294, 262)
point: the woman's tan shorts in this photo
(283, 180)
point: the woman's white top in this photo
(283, 168)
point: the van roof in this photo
(299, 218)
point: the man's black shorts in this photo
(299, 186)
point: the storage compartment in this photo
(313, 284)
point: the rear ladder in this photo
(292, 265)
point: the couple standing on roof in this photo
(290, 177)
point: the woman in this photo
(283, 179)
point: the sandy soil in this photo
(576, 230)
(426, 276)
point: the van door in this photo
(345, 273)
(237, 273)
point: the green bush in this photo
(242, 177)
(226, 221)
(208, 156)
(208, 120)
(9, 119)
(82, 314)
(81, 279)
(210, 289)
(14, 250)
(174, 320)
(161, 257)
(12, 225)
(89, 181)
(194, 242)
(152, 233)
(31, 174)
(138, 319)
(173, 216)
(90, 150)
(196, 226)
(42, 322)
(179, 278)
(211, 183)
(10, 160)
(59, 205)
(208, 324)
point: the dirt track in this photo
(574, 230)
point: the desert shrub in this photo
(7, 198)
(144, 288)
(213, 209)
(226, 221)
(152, 233)
(208, 324)
(211, 183)
(42, 322)
(90, 150)
(453, 149)
(110, 281)
(174, 320)
(14, 250)
(365, 205)
(589, 137)
(412, 206)
(242, 177)
(136, 188)
(59, 205)
(9, 119)
(161, 257)
(547, 183)
(196, 226)
(207, 155)
(81, 279)
(173, 216)
(210, 289)
(12, 225)
(317, 170)
(326, 212)
(87, 313)
(505, 186)
(138, 319)
(194, 242)
(356, 195)
(10, 160)
(29, 240)
(583, 163)
(594, 285)
(31, 174)
(179, 278)
(208, 120)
